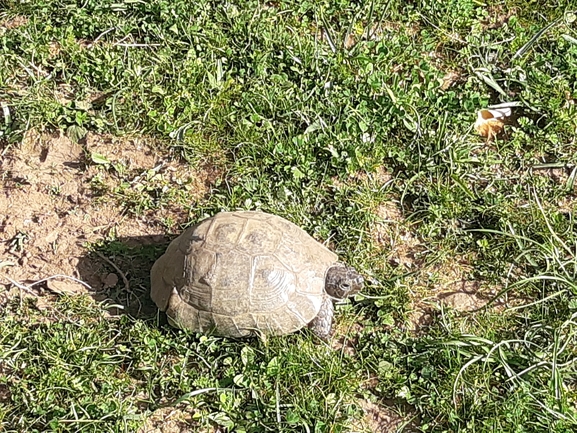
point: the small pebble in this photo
(110, 281)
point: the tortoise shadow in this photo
(118, 273)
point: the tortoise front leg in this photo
(321, 325)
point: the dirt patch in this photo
(132, 153)
(345, 338)
(450, 79)
(396, 235)
(463, 296)
(380, 419)
(55, 201)
(380, 30)
(497, 17)
(5, 395)
(64, 94)
(139, 176)
(14, 22)
(567, 204)
(448, 283)
(169, 420)
(559, 175)
(451, 284)
(379, 177)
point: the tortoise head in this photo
(343, 281)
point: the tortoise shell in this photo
(238, 273)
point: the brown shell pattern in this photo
(241, 272)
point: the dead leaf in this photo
(350, 41)
(490, 122)
(449, 79)
(68, 287)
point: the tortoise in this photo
(238, 274)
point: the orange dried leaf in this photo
(490, 122)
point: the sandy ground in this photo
(55, 203)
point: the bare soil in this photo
(14, 22)
(383, 418)
(396, 236)
(449, 283)
(169, 420)
(55, 204)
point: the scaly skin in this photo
(341, 281)
(321, 325)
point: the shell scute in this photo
(243, 272)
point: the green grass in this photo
(295, 119)
(88, 372)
